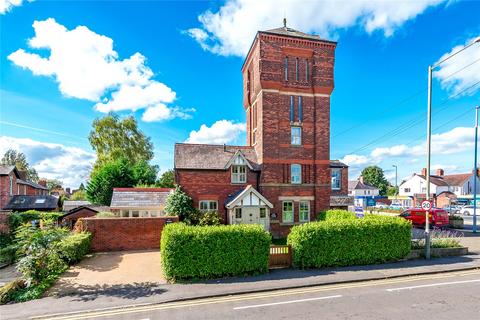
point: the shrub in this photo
(7, 292)
(18, 218)
(343, 242)
(213, 251)
(8, 254)
(209, 218)
(178, 203)
(74, 247)
(105, 214)
(335, 214)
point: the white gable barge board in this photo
(249, 197)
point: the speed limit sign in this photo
(426, 205)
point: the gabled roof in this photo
(457, 180)
(436, 180)
(31, 184)
(139, 197)
(209, 156)
(247, 193)
(72, 204)
(23, 202)
(289, 32)
(337, 164)
(92, 208)
(358, 185)
(5, 170)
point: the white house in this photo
(358, 188)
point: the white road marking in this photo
(286, 302)
(432, 285)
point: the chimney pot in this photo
(440, 172)
(424, 172)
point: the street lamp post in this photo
(475, 177)
(396, 184)
(429, 141)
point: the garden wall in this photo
(116, 234)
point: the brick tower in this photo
(287, 83)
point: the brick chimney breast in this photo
(440, 172)
(424, 172)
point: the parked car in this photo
(452, 209)
(396, 207)
(437, 217)
(467, 210)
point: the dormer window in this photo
(239, 174)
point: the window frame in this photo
(296, 140)
(306, 70)
(298, 167)
(209, 208)
(284, 212)
(296, 69)
(300, 109)
(335, 170)
(285, 68)
(264, 210)
(300, 211)
(236, 210)
(235, 176)
(292, 109)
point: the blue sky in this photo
(176, 67)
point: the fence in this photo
(280, 257)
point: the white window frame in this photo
(295, 173)
(238, 210)
(237, 176)
(209, 206)
(338, 185)
(296, 136)
(264, 212)
(284, 212)
(302, 211)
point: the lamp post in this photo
(429, 141)
(396, 179)
(475, 177)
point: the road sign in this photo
(426, 205)
(358, 203)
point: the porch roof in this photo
(251, 197)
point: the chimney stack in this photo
(424, 172)
(360, 179)
(43, 183)
(440, 172)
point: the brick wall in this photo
(4, 225)
(5, 188)
(71, 219)
(116, 234)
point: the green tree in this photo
(18, 159)
(166, 180)
(178, 203)
(143, 173)
(113, 174)
(53, 184)
(373, 175)
(392, 191)
(79, 195)
(113, 138)
(81, 187)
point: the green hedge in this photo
(344, 242)
(16, 219)
(213, 251)
(74, 247)
(335, 214)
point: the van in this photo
(437, 217)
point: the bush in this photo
(209, 218)
(335, 214)
(8, 254)
(74, 247)
(178, 203)
(213, 251)
(344, 242)
(8, 291)
(18, 218)
(105, 214)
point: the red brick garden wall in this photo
(116, 234)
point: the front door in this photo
(250, 215)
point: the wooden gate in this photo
(280, 257)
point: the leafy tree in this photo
(18, 159)
(143, 173)
(373, 175)
(178, 203)
(166, 180)
(113, 138)
(392, 191)
(113, 174)
(81, 187)
(79, 195)
(53, 184)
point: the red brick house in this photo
(284, 176)
(13, 182)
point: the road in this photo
(449, 296)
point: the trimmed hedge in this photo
(213, 251)
(74, 247)
(335, 214)
(344, 242)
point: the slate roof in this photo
(5, 170)
(232, 196)
(32, 184)
(358, 185)
(23, 203)
(210, 156)
(72, 204)
(337, 164)
(286, 31)
(436, 180)
(139, 197)
(457, 179)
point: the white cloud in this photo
(222, 131)
(160, 112)
(453, 79)
(230, 30)
(7, 5)
(86, 66)
(71, 165)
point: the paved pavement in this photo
(444, 296)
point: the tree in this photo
(19, 160)
(53, 184)
(392, 191)
(178, 203)
(166, 180)
(373, 175)
(143, 173)
(113, 174)
(81, 187)
(113, 138)
(79, 195)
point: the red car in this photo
(437, 217)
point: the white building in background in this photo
(358, 188)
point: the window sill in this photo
(237, 183)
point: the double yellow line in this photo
(248, 296)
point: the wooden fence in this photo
(280, 257)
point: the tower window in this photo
(286, 68)
(254, 116)
(296, 69)
(336, 179)
(300, 113)
(295, 174)
(306, 70)
(292, 109)
(296, 136)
